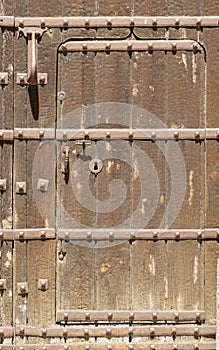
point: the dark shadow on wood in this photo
(34, 100)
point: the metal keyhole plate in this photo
(95, 166)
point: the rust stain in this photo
(105, 267)
(109, 166)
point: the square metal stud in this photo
(21, 78)
(21, 187)
(42, 284)
(2, 284)
(22, 288)
(42, 185)
(3, 78)
(3, 184)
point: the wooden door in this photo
(109, 178)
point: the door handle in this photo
(32, 77)
(65, 167)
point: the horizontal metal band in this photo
(211, 345)
(114, 134)
(115, 331)
(138, 234)
(27, 234)
(109, 234)
(127, 315)
(120, 21)
(131, 45)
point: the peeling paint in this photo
(166, 287)
(195, 269)
(109, 166)
(105, 267)
(191, 187)
(184, 60)
(135, 90)
(9, 259)
(135, 171)
(194, 69)
(152, 265)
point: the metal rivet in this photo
(153, 135)
(87, 347)
(108, 332)
(199, 235)
(177, 236)
(154, 316)
(155, 236)
(152, 331)
(174, 331)
(41, 133)
(196, 332)
(65, 22)
(109, 22)
(21, 23)
(131, 316)
(21, 187)
(87, 23)
(42, 234)
(22, 288)
(110, 315)
(1, 134)
(176, 134)
(130, 331)
(198, 316)
(1, 236)
(150, 47)
(21, 235)
(198, 23)
(176, 316)
(20, 133)
(108, 134)
(86, 333)
(195, 48)
(2, 284)
(131, 134)
(22, 331)
(196, 347)
(108, 46)
(154, 22)
(132, 236)
(217, 134)
(111, 236)
(3, 183)
(44, 332)
(65, 347)
(42, 284)
(86, 135)
(65, 333)
(87, 316)
(177, 22)
(197, 134)
(129, 46)
(152, 347)
(175, 347)
(66, 236)
(43, 23)
(65, 316)
(173, 46)
(44, 348)
(42, 185)
(131, 22)
(84, 47)
(21, 348)
(109, 347)
(131, 347)
(89, 236)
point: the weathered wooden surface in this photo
(182, 93)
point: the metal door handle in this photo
(32, 77)
(65, 168)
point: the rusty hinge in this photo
(32, 77)
(131, 45)
(116, 331)
(138, 234)
(127, 315)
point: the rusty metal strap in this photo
(110, 22)
(106, 134)
(211, 345)
(115, 331)
(131, 45)
(135, 315)
(139, 234)
(104, 234)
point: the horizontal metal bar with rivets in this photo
(109, 22)
(114, 134)
(138, 234)
(203, 345)
(137, 134)
(115, 331)
(27, 234)
(127, 315)
(131, 45)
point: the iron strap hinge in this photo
(197, 22)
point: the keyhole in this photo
(95, 166)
